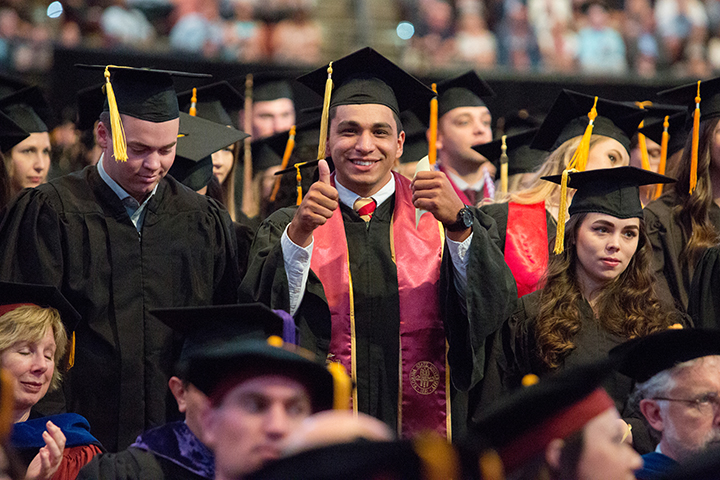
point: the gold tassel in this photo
(298, 178)
(71, 352)
(342, 386)
(663, 155)
(7, 404)
(491, 466)
(432, 142)
(325, 115)
(439, 460)
(249, 207)
(580, 158)
(695, 142)
(642, 143)
(504, 166)
(193, 103)
(118, 132)
(562, 213)
(289, 146)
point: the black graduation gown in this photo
(668, 239)
(513, 353)
(704, 301)
(134, 464)
(490, 294)
(74, 233)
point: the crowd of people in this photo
(227, 288)
(607, 37)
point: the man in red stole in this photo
(405, 308)
(463, 121)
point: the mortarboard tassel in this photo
(118, 132)
(504, 166)
(71, 352)
(298, 178)
(439, 459)
(193, 103)
(342, 386)
(289, 146)
(695, 142)
(432, 141)
(248, 204)
(7, 404)
(642, 143)
(324, 117)
(491, 466)
(663, 155)
(562, 214)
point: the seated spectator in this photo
(433, 45)
(517, 45)
(564, 427)
(297, 40)
(679, 22)
(33, 339)
(199, 31)
(678, 375)
(476, 45)
(244, 35)
(601, 49)
(259, 393)
(126, 26)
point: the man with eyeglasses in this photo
(678, 380)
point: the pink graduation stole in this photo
(423, 402)
(526, 245)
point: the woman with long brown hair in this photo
(598, 292)
(685, 221)
(527, 219)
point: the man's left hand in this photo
(432, 192)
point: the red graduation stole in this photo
(423, 402)
(526, 245)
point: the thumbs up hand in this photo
(316, 208)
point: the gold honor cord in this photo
(118, 132)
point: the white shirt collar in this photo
(348, 197)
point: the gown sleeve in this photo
(491, 296)
(704, 302)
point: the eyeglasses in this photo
(706, 404)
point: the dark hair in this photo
(692, 213)
(398, 123)
(5, 191)
(627, 307)
(570, 456)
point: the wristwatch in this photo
(463, 221)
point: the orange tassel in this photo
(695, 142)
(432, 141)
(193, 103)
(289, 146)
(342, 386)
(580, 158)
(298, 178)
(562, 213)
(642, 143)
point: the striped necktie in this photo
(364, 206)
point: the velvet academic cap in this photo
(685, 95)
(10, 133)
(613, 191)
(568, 118)
(466, 90)
(214, 102)
(28, 108)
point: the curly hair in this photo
(693, 212)
(29, 323)
(627, 307)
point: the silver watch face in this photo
(467, 217)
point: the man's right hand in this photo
(316, 208)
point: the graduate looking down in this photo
(598, 291)
(366, 285)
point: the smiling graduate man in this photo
(367, 287)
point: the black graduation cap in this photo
(28, 108)
(10, 84)
(12, 293)
(365, 77)
(90, 102)
(206, 326)
(214, 101)
(10, 133)
(416, 143)
(568, 118)
(685, 95)
(466, 90)
(268, 152)
(643, 357)
(677, 131)
(613, 191)
(519, 121)
(144, 93)
(268, 86)
(521, 158)
(197, 140)
(212, 368)
(656, 110)
(520, 425)
(361, 459)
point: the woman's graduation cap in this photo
(10, 133)
(613, 191)
(644, 357)
(197, 140)
(213, 102)
(14, 295)
(143, 93)
(466, 90)
(28, 108)
(513, 151)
